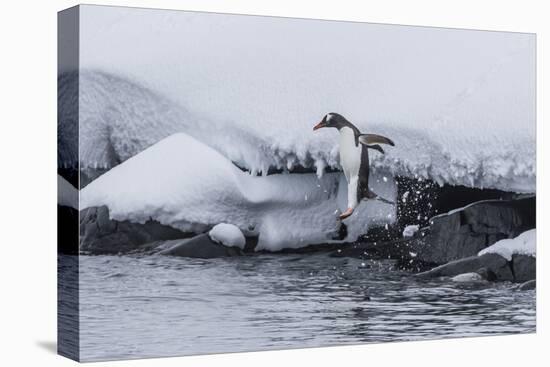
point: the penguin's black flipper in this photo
(376, 147)
(369, 139)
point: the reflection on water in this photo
(161, 306)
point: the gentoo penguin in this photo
(354, 158)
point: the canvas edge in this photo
(68, 320)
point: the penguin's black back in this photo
(363, 184)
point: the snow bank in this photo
(461, 111)
(228, 235)
(120, 118)
(183, 183)
(524, 244)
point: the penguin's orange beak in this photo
(319, 125)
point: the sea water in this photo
(148, 306)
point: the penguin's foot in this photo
(347, 213)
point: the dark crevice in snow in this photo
(418, 200)
(87, 175)
(296, 169)
(511, 266)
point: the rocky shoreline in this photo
(448, 246)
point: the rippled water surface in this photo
(162, 306)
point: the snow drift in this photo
(183, 183)
(460, 105)
(119, 118)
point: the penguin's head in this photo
(331, 119)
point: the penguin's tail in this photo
(372, 195)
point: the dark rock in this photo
(456, 235)
(101, 235)
(528, 285)
(443, 246)
(200, 246)
(487, 274)
(250, 243)
(492, 267)
(492, 263)
(67, 230)
(381, 234)
(465, 232)
(401, 250)
(342, 232)
(525, 267)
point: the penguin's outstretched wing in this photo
(369, 139)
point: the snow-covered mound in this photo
(524, 244)
(183, 183)
(410, 230)
(460, 105)
(467, 277)
(228, 235)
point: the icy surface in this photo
(460, 105)
(183, 183)
(67, 194)
(410, 230)
(228, 235)
(524, 244)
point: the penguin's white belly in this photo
(350, 154)
(350, 160)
